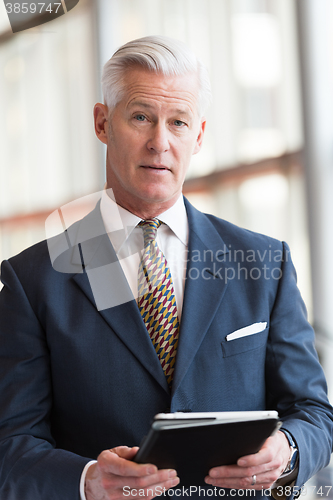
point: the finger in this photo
(235, 472)
(125, 451)
(266, 465)
(235, 477)
(111, 463)
(112, 481)
(241, 483)
(161, 488)
(227, 471)
(246, 466)
(266, 454)
(138, 489)
(230, 483)
(268, 478)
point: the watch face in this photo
(293, 460)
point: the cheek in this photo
(184, 153)
(120, 150)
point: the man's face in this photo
(151, 135)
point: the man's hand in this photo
(267, 466)
(114, 470)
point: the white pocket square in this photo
(247, 330)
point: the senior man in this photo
(80, 380)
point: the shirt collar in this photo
(176, 218)
(119, 222)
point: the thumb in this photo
(125, 452)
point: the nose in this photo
(158, 141)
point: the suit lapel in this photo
(105, 285)
(204, 289)
(103, 279)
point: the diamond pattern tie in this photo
(156, 299)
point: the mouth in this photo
(156, 167)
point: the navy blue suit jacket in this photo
(75, 381)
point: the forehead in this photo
(155, 89)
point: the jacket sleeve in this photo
(31, 467)
(295, 382)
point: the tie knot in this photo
(149, 227)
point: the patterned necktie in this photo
(156, 299)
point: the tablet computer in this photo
(193, 443)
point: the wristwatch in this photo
(293, 453)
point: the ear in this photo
(200, 137)
(101, 114)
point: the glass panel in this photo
(47, 92)
(4, 21)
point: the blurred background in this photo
(267, 160)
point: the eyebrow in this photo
(146, 105)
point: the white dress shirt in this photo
(127, 240)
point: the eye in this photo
(140, 118)
(179, 123)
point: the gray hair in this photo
(159, 54)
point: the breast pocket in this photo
(244, 344)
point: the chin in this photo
(155, 196)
